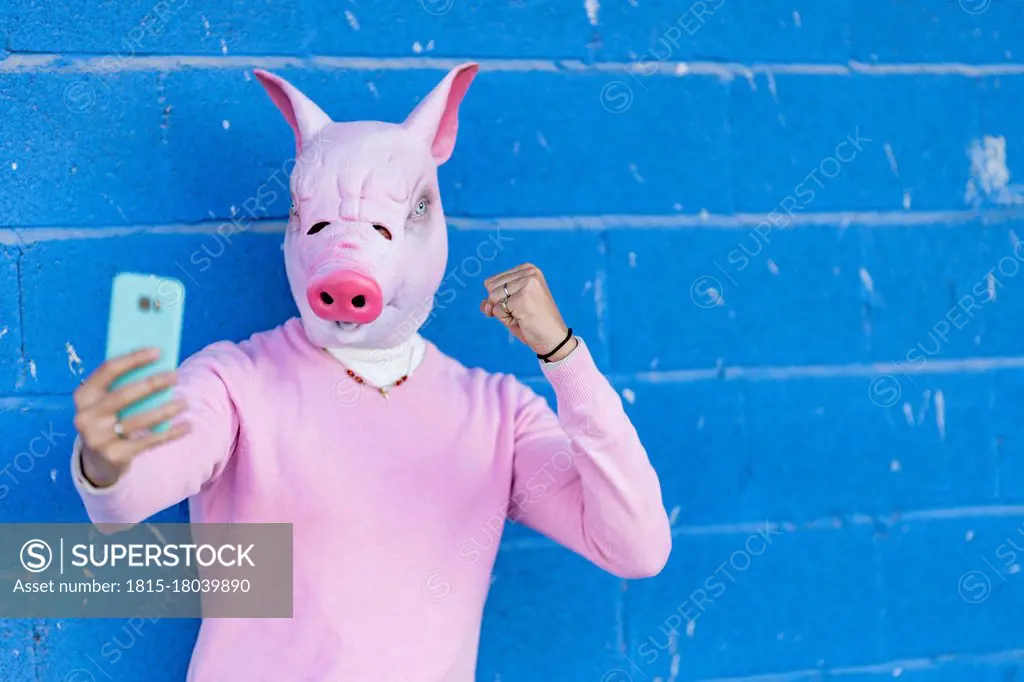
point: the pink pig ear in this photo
(436, 118)
(302, 114)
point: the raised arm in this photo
(583, 478)
(127, 480)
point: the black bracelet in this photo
(557, 348)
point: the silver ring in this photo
(119, 430)
(504, 301)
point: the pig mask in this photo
(366, 243)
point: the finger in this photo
(153, 439)
(501, 277)
(509, 318)
(94, 389)
(514, 286)
(97, 430)
(150, 418)
(136, 391)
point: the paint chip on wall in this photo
(629, 396)
(990, 175)
(940, 414)
(592, 7)
(75, 364)
(352, 21)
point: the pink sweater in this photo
(396, 505)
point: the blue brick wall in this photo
(788, 229)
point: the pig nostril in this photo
(359, 301)
(326, 298)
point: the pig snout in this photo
(345, 296)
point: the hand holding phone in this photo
(124, 408)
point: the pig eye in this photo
(316, 228)
(421, 208)
(385, 232)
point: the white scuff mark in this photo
(3, 332)
(587, 286)
(991, 280)
(796, 19)
(373, 90)
(896, 672)
(750, 76)
(908, 412)
(233, 210)
(14, 165)
(969, 536)
(654, 363)
(247, 76)
(989, 174)
(629, 396)
(866, 281)
(893, 166)
(32, 368)
(770, 77)
(53, 475)
(1014, 569)
(691, 627)
(543, 141)
(677, 206)
(632, 259)
(772, 267)
(682, 69)
(430, 45)
(416, 47)
(206, 24)
(673, 668)
(636, 174)
(223, 46)
(940, 414)
(352, 21)
(674, 514)
(700, 423)
(906, 200)
(225, 124)
(895, 466)
(75, 364)
(924, 408)
(592, 7)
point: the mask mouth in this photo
(354, 326)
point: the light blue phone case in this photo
(145, 311)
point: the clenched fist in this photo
(106, 454)
(530, 312)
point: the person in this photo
(396, 465)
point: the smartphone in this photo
(145, 311)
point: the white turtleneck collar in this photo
(383, 366)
